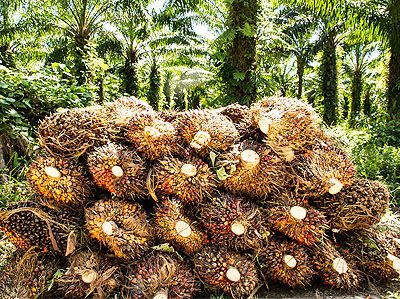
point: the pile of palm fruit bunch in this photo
(128, 202)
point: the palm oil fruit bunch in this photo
(89, 274)
(160, 276)
(252, 169)
(71, 132)
(292, 216)
(26, 275)
(358, 206)
(121, 226)
(219, 268)
(334, 269)
(241, 117)
(324, 169)
(205, 131)
(190, 180)
(60, 181)
(173, 226)
(118, 169)
(29, 224)
(234, 222)
(286, 262)
(370, 255)
(152, 137)
(288, 124)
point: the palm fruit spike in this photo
(118, 169)
(160, 276)
(204, 130)
(89, 273)
(190, 180)
(358, 206)
(252, 169)
(234, 222)
(121, 226)
(292, 216)
(174, 227)
(240, 117)
(26, 275)
(28, 224)
(152, 137)
(60, 181)
(71, 132)
(286, 262)
(335, 270)
(325, 169)
(133, 103)
(371, 255)
(287, 123)
(219, 268)
(391, 241)
(168, 115)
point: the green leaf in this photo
(238, 76)
(164, 247)
(248, 30)
(58, 274)
(3, 85)
(221, 174)
(213, 156)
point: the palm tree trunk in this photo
(81, 69)
(356, 90)
(329, 80)
(300, 73)
(129, 73)
(367, 102)
(153, 93)
(393, 92)
(239, 65)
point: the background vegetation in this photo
(341, 56)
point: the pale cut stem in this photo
(249, 159)
(88, 276)
(233, 274)
(336, 186)
(52, 172)
(183, 228)
(117, 171)
(264, 123)
(395, 262)
(188, 170)
(238, 228)
(298, 212)
(289, 260)
(340, 265)
(109, 227)
(161, 294)
(200, 140)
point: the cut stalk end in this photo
(183, 228)
(289, 260)
(298, 212)
(264, 124)
(238, 228)
(117, 171)
(249, 159)
(188, 170)
(109, 227)
(161, 294)
(340, 265)
(88, 276)
(200, 140)
(233, 274)
(52, 172)
(336, 186)
(151, 132)
(395, 262)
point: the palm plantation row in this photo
(341, 56)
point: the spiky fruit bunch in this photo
(205, 131)
(174, 227)
(252, 169)
(190, 180)
(89, 273)
(168, 115)
(241, 117)
(335, 270)
(286, 262)
(28, 224)
(286, 122)
(118, 169)
(26, 275)
(71, 132)
(358, 206)
(160, 276)
(234, 222)
(219, 268)
(132, 103)
(391, 241)
(371, 255)
(152, 137)
(60, 181)
(324, 169)
(292, 216)
(121, 226)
